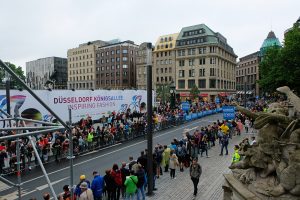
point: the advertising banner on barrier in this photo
(83, 103)
(228, 112)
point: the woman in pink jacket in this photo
(240, 127)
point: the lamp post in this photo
(149, 120)
(172, 92)
(245, 91)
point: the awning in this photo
(184, 94)
(223, 94)
(203, 95)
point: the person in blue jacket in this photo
(97, 186)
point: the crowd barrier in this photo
(138, 129)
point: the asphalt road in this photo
(34, 183)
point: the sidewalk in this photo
(211, 180)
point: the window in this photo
(202, 50)
(107, 67)
(125, 73)
(107, 74)
(192, 73)
(191, 51)
(181, 73)
(212, 60)
(170, 61)
(118, 66)
(107, 61)
(102, 61)
(157, 79)
(212, 49)
(112, 60)
(102, 68)
(191, 62)
(166, 70)
(170, 69)
(118, 59)
(201, 72)
(212, 72)
(112, 67)
(181, 52)
(97, 55)
(171, 45)
(125, 66)
(118, 51)
(162, 62)
(161, 70)
(170, 78)
(191, 83)
(202, 83)
(212, 83)
(107, 82)
(112, 74)
(124, 51)
(124, 58)
(202, 61)
(181, 63)
(112, 52)
(181, 84)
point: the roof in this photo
(166, 42)
(271, 40)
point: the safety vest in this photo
(236, 156)
(90, 137)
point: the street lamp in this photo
(172, 92)
(245, 90)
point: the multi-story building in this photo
(204, 59)
(141, 66)
(82, 65)
(247, 74)
(47, 73)
(116, 66)
(270, 41)
(164, 56)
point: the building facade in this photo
(247, 74)
(204, 59)
(116, 66)
(47, 73)
(164, 61)
(82, 65)
(141, 67)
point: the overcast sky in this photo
(35, 29)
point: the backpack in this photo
(118, 178)
(180, 151)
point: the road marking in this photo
(160, 135)
(55, 182)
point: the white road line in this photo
(160, 135)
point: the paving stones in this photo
(211, 180)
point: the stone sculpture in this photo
(271, 168)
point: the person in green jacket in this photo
(166, 158)
(236, 156)
(90, 138)
(131, 185)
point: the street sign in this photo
(228, 112)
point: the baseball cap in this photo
(82, 177)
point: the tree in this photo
(194, 92)
(163, 92)
(17, 70)
(281, 67)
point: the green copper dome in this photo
(270, 41)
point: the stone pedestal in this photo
(234, 190)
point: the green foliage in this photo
(163, 93)
(194, 92)
(17, 70)
(281, 67)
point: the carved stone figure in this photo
(272, 167)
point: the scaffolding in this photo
(22, 131)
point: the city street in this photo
(34, 183)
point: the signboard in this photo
(185, 106)
(83, 103)
(228, 112)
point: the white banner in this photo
(83, 103)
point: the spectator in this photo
(86, 193)
(117, 176)
(141, 182)
(253, 141)
(110, 185)
(97, 186)
(181, 153)
(125, 172)
(46, 196)
(166, 158)
(131, 185)
(195, 173)
(224, 142)
(77, 189)
(247, 125)
(66, 195)
(236, 156)
(173, 164)
(3, 156)
(131, 163)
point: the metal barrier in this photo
(105, 140)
